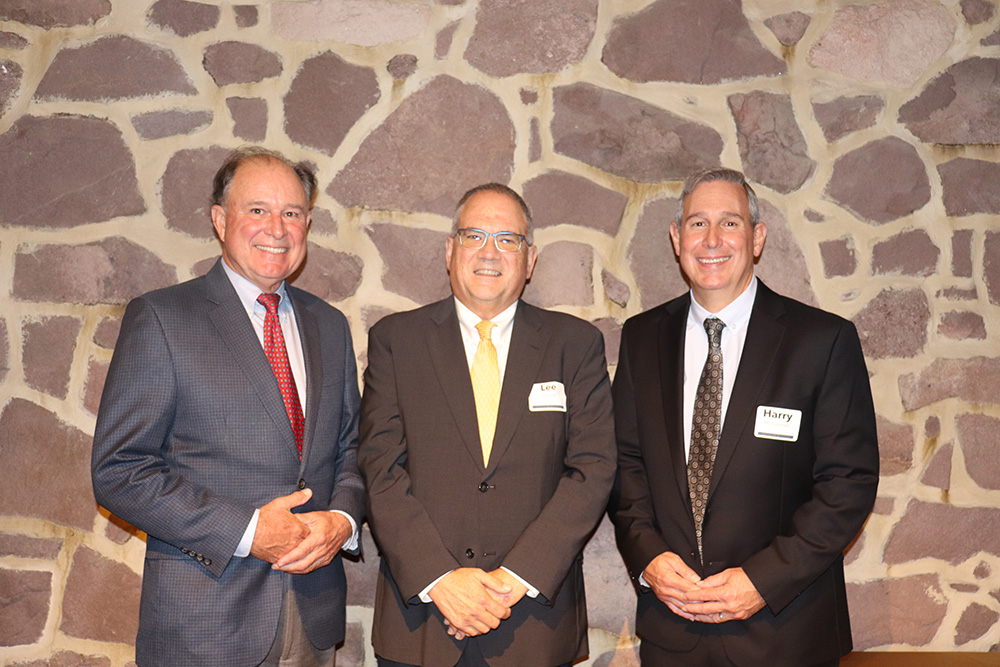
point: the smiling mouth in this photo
(713, 260)
(487, 272)
(271, 249)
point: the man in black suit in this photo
(748, 460)
(228, 433)
(481, 509)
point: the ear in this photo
(219, 221)
(449, 247)
(532, 258)
(675, 238)
(759, 236)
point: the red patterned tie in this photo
(274, 348)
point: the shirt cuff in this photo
(424, 595)
(243, 548)
(532, 591)
(352, 542)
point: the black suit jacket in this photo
(434, 507)
(783, 511)
(191, 436)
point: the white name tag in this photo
(547, 397)
(777, 423)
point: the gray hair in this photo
(500, 189)
(223, 179)
(719, 174)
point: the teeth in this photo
(713, 260)
(274, 251)
(486, 272)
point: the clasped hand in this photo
(298, 543)
(474, 601)
(726, 596)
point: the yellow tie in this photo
(486, 387)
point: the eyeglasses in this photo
(474, 239)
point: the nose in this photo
(712, 236)
(489, 249)
(276, 225)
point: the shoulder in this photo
(676, 307)
(408, 321)
(556, 322)
(795, 313)
(174, 296)
(318, 307)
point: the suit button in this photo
(469, 553)
(484, 487)
(207, 562)
(302, 484)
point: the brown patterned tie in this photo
(486, 387)
(277, 354)
(705, 426)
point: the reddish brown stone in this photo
(909, 253)
(563, 276)
(327, 97)
(4, 351)
(875, 42)
(528, 96)
(788, 28)
(938, 471)
(22, 546)
(895, 446)
(115, 67)
(782, 264)
(651, 256)
(322, 223)
(89, 173)
(413, 261)
(894, 165)
(616, 291)
(186, 189)
(977, 11)
(964, 588)
(240, 62)
(409, 164)
(402, 66)
(959, 294)
(982, 571)
(969, 186)
(202, 267)
(612, 332)
(962, 325)
(246, 15)
(845, 115)
(977, 437)
(70, 659)
(960, 106)
(101, 602)
(838, 257)
(54, 13)
(854, 549)
(628, 137)
(97, 371)
(24, 605)
(184, 18)
(975, 622)
(558, 198)
(772, 148)
(991, 266)
(961, 253)
(106, 332)
(119, 530)
(442, 43)
(932, 427)
(903, 610)
(330, 275)
(372, 314)
(653, 45)
(883, 506)
(535, 143)
(13, 41)
(939, 530)
(113, 270)
(975, 380)
(46, 454)
(534, 37)
(160, 124)
(47, 353)
(813, 216)
(610, 598)
(10, 81)
(894, 324)
(249, 117)
(366, 23)
(992, 40)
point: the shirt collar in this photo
(468, 320)
(248, 292)
(736, 315)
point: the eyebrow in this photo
(725, 214)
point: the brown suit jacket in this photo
(434, 507)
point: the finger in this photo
(295, 499)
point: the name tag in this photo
(777, 423)
(547, 397)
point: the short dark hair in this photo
(719, 174)
(501, 189)
(224, 176)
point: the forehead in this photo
(257, 177)
(493, 211)
(717, 196)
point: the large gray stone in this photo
(969, 186)
(24, 605)
(54, 13)
(358, 22)
(440, 141)
(115, 67)
(960, 106)
(23, 546)
(651, 256)
(894, 324)
(89, 173)
(563, 276)
(327, 97)
(975, 622)
(184, 18)
(772, 148)
(909, 253)
(905, 610)
(654, 45)
(101, 601)
(838, 257)
(789, 28)
(628, 137)
(13, 41)
(558, 198)
(844, 115)
(42, 438)
(170, 122)
(616, 291)
(977, 11)
(530, 36)
(247, 16)
(413, 261)
(973, 380)
(938, 470)
(961, 253)
(111, 271)
(882, 181)
(962, 325)
(47, 353)
(249, 117)
(186, 190)
(612, 332)
(942, 531)
(891, 42)
(240, 62)
(977, 438)
(610, 596)
(782, 264)
(330, 275)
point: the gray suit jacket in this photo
(435, 507)
(192, 436)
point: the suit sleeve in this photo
(130, 475)
(348, 487)
(545, 551)
(845, 480)
(631, 506)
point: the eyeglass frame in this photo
(486, 237)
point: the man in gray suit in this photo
(227, 431)
(487, 447)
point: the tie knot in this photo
(269, 301)
(484, 328)
(714, 327)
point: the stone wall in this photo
(871, 130)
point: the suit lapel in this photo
(230, 319)
(309, 335)
(670, 343)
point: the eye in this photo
(292, 214)
(256, 210)
(508, 241)
(473, 235)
